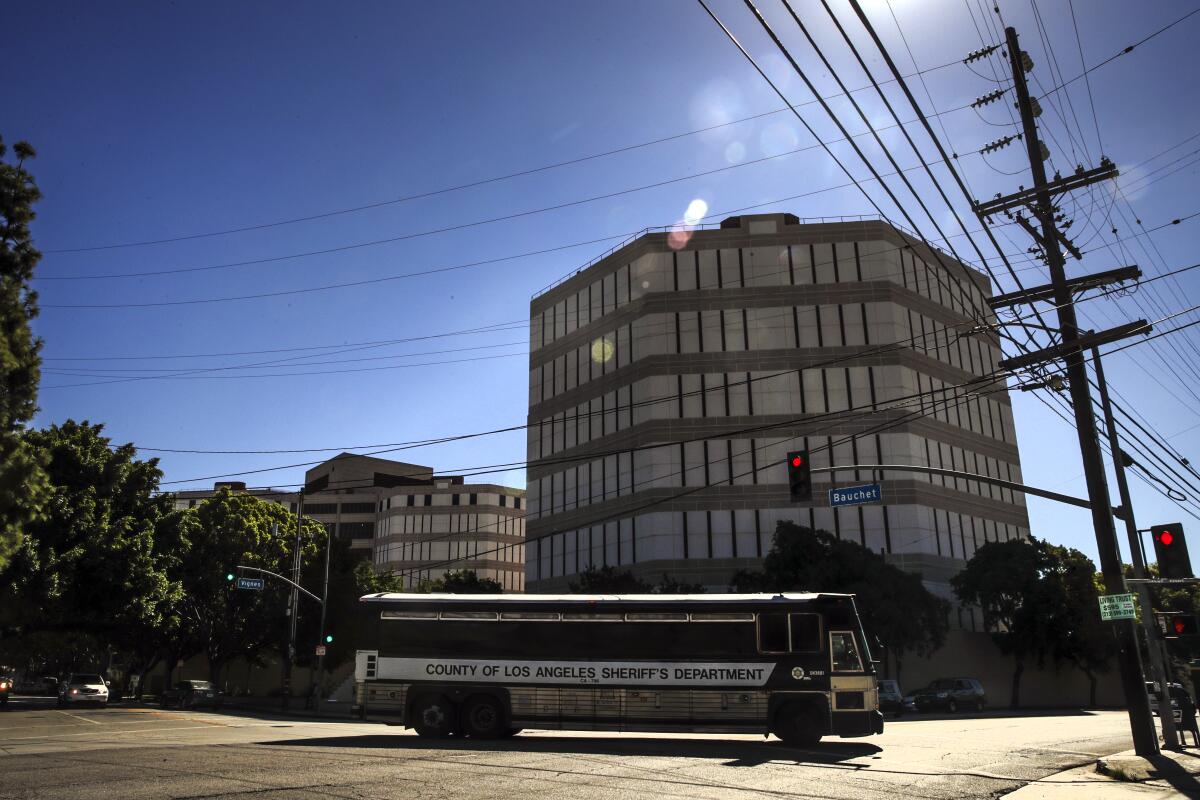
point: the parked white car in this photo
(83, 687)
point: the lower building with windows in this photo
(406, 519)
(446, 524)
(669, 379)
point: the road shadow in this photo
(733, 752)
(1175, 773)
(1003, 713)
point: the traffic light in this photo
(329, 638)
(229, 576)
(799, 477)
(1177, 625)
(1170, 547)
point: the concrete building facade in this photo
(669, 379)
(404, 518)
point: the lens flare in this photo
(695, 212)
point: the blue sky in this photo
(157, 121)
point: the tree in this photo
(22, 482)
(607, 580)
(210, 541)
(1005, 579)
(1081, 637)
(87, 565)
(466, 581)
(894, 605)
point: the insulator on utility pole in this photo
(998, 144)
(990, 97)
(982, 52)
(1045, 151)
(1037, 107)
(1026, 62)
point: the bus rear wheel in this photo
(434, 716)
(484, 718)
(798, 725)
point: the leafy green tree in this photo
(669, 585)
(1081, 637)
(608, 580)
(22, 483)
(466, 581)
(87, 565)
(894, 605)
(1005, 579)
(210, 541)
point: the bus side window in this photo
(806, 633)
(844, 653)
(773, 633)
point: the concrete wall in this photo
(973, 655)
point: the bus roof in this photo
(525, 599)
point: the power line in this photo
(446, 190)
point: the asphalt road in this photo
(142, 752)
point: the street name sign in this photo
(856, 495)
(251, 583)
(1117, 606)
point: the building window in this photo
(321, 508)
(474, 499)
(516, 502)
(428, 499)
(356, 530)
(503, 500)
(410, 500)
(454, 499)
(358, 508)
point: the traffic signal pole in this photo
(1154, 642)
(324, 605)
(1145, 737)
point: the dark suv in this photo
(952, 694)
(190, 694)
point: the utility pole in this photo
(321, 635)
(1149, 625)
(289, 655)
(1145, 738)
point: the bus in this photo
(486, 666)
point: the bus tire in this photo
(483, 717)
(511, 732)
(434, 716)
(798, 725)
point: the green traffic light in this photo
(229, 576)
(329, 638)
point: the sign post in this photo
(1117, 606)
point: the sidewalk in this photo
(1172, 774)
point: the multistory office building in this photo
(669, 379)
(405, 519)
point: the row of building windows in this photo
(399, 524)
(793, 265)
(791, 393)
(450, 499)
(761, 330)
(747, 533)
(760, 461)
(420, 552)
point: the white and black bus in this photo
(796, 665)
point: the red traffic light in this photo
(1166, 538)
(797, 461)
(1179, 625)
